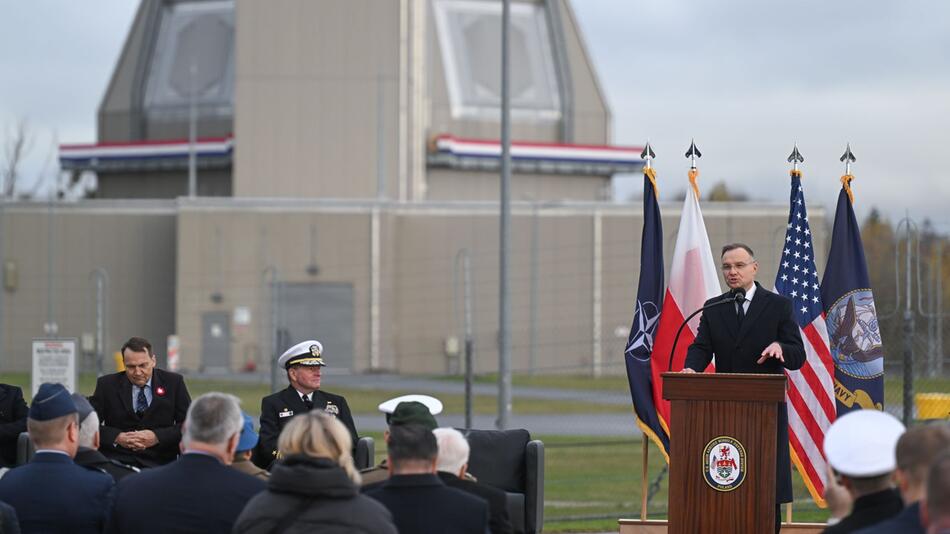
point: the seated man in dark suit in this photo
(419, 502)
(141, 409)
(452, 465)
(51, 493)
(198, 492)
(12, 422)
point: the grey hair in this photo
(88, 428)
(453, 450)
(212, 419)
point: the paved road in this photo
(601, 425)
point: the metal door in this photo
(216, 341)
(324, 312)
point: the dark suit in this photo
(277, 409)
(738, 348)
(94, 459)
(196, 493)
(52, 494)
(113, 402)
(422, 504)
(869, 510)
(13, 412)
(498, 520)
(906, 522)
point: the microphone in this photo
(735, 295)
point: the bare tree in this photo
(16, 146)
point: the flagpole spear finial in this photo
(848, 158)
(795, 158)
(693, 153)
(648, 155)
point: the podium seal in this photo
(724, 463)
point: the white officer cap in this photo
(862, 443)
(304, 353)
(433, 404)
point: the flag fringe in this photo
(647, 431)
(818, 498)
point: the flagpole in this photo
(794, 158)
(647, 156)
(643, 484)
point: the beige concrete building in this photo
(346, 155)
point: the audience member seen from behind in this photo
(916, 451)
(860, 447)
(141, 409)
(935, 507)
(51, 493)
(419, 501)
(315, 486)
(13, 413)
(403, 410)
(88, 454)
(198, 492)
(452, 465)
(245, 449)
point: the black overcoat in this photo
(738, 348)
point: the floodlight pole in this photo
(504, 340)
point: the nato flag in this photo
(646, 317)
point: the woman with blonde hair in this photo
(315, 486)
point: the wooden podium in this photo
(722, 451)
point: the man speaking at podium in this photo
(753, 332)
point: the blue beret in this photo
(51, 401)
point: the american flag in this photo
(810, 393)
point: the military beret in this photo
(51, 401)
(304, 353)
(82, 406)
(863, 443)
(412, 413)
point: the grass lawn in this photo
(361, 401)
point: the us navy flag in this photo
(646, 317)
(850, 314)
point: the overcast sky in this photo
(747, 79)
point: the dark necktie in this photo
(307, 402)
(741, 312)
(141, 402)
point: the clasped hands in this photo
(138, 440)
(774, 350)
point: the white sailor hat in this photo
(862, 443)
(304, 353)
(433, 404)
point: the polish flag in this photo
(694, 279)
